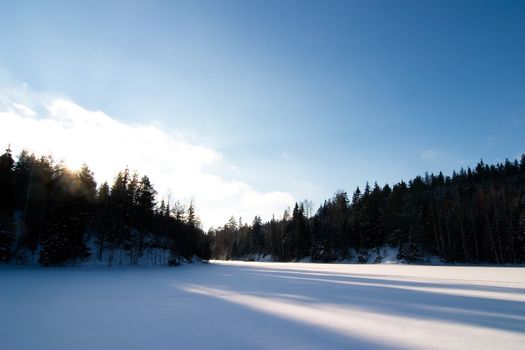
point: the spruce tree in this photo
(7, 201)
(257, 234)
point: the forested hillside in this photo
(52, 215)
(474, 216)
(56, 216)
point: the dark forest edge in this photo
(474, 216)
(56, 216)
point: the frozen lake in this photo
(238, 305)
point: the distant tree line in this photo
(53, 215)
(56, 216)
(474, 216)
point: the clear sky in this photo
(282, 100)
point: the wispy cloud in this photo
(429, 154)
(22, 110)
(56, 125)
(464, 162)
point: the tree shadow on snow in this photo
(393, 296)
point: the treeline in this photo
(56, 216)
(474, 216)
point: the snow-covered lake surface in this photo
(238, 305)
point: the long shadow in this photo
(138, 318)
(383, 296)
(165, 313)
(243, 327)
(400, 281)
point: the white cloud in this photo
(174, 165)
(23, 110)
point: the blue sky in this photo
(303, 97)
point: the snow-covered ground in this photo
(239, 305)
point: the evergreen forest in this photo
(52, 215)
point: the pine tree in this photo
(257, 234)
(120, 211)
(7, 201)
(145, 205)
(191, 218)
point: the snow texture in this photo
(256, 305)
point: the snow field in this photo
(260, 305)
